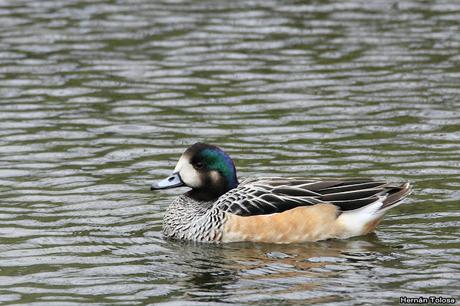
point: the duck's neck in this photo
(201, 195)
(211, 193)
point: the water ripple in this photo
(99, 99)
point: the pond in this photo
(98, 99)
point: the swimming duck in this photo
(218, 208)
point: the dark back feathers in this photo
(275, 195)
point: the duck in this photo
(218, 208)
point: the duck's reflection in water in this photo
(213, 272)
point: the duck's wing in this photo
(269, 195)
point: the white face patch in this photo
(188, 174)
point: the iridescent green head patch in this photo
(216, 159)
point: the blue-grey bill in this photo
(172, 181)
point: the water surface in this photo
(99, 99)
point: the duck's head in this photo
(205, 168)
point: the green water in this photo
(99, 98)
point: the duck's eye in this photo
(199, 165)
